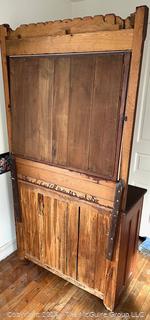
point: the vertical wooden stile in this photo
(3, 34)
(139, 35)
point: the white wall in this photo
(94, 7)
(7, 227)
(14, 13)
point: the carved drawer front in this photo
(65, 235)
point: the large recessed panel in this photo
(67, 110)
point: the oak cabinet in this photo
(70, 90)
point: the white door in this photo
(140, 160)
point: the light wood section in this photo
(84, 42)
(70, 238)
(86, 24)
(50, 227)
(93, 240)
(56, 231)
(137, 50)
(3, 34)
(103, 190)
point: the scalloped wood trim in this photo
(71, 26)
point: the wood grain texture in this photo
(32, 121)
(27, 285)
(93, 238)
(60, 110)
(103, 190)
(77, 25)
(83, 42)
(106, 114)
(50, 227)
(70, 239)
(66, 81)
(81, 87)
(122, 267)
(137, 50)
(60, 105)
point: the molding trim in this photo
(7, 249)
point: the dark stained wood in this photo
(18, 116)
(31, 110)
(81, 92)
(60, 105)
(106, 116)
(60, 110)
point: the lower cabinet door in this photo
(65, 234)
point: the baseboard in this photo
(7, 249)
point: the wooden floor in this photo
(30, 292)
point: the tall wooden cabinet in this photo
(71, 89)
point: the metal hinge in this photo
(16, 197)
(114, 220)
(124, 118)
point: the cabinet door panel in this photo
(93, 238)
(50, 228)
(65, 235)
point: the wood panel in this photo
(57, 232)
(50, 228)
(106, 114)
(93, 239)
(98, 191)
(84, 42)
(31, 110)
(60, 110)
(81, 92)
(70, 240)
(29, 206)
(18, 116)
(60, 105)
